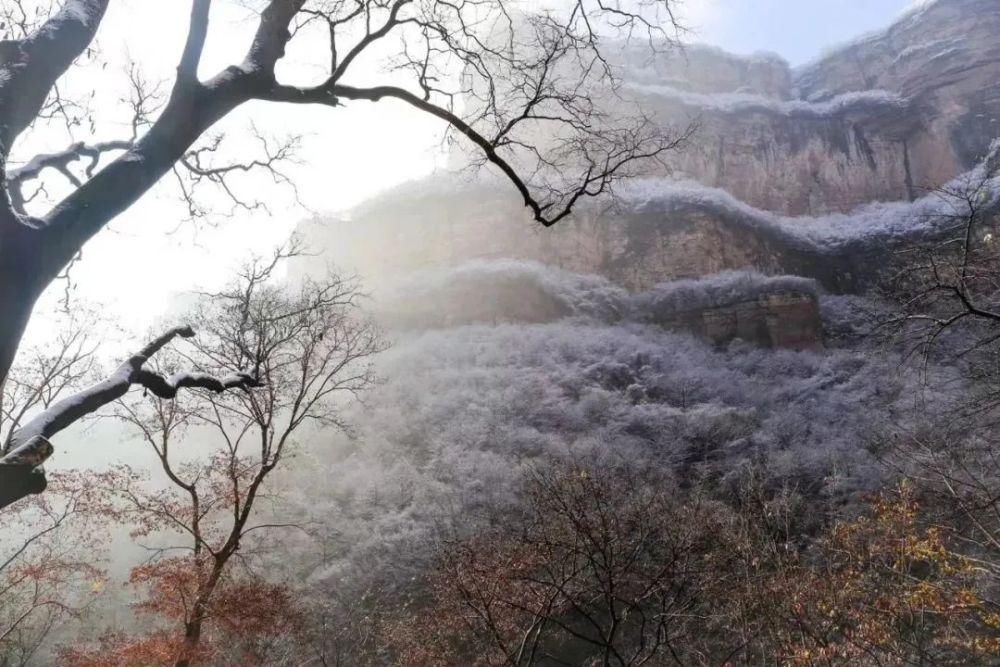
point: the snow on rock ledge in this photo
(777, 311)
(659, 230)
(895, 112)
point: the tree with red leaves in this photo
(49, 569)
(606, 568)
(310, 348)
(49, 564)
(251, 619)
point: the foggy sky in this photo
(798, 30)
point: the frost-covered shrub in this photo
(464, 412)
(850, 318)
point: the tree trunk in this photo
(192, 638)
(17, 300)
(22, 280)
(25, 271)
(16, 304)
(193, 628)
(23, 277)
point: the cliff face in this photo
(780, 311)
(708, 70)
(945, 58)
(635, 248)
(658, 231)
(783, 319)
(800, 158)
(785, 175)
(878, 120)
(639, 248)
(941, 50)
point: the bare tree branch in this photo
(29, 444)
(531, 93)
(187, 70)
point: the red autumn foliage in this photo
(244, 616)
(307, 346)
(120, 650)
(49, 562)
(613, 570)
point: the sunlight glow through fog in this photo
(151, 254)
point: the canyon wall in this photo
(817, 171)
(880, 119)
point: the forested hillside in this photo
(679, 357)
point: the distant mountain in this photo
(879, 119)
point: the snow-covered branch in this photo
(31, 66)
(29, 444)
(61, 162)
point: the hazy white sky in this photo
(799, 30)
(149, 254)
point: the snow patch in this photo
(747, 103)
(80, 10)
(871, 223)
(84, 12)
(520, 291)
(940, 46)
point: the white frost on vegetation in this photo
(721, 289)
(871, 223)
(466, 411)
(862, 101)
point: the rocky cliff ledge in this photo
(780, 311)
(878, 120)
(657, 230)
(815, 172)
